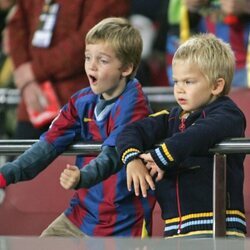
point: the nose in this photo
(179, 87)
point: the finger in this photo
(72, 167)
(63, 183)
(66, 173)
(160, 176)
(150, 182)
(148, 165)
(136, 183)
(147, 157)
(152, 172)
(143, 157)
(144, 187)
(129, 182)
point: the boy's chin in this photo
(96, 92)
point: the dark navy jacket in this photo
(185, 193)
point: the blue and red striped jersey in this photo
(108, 208)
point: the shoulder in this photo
(225, 108)
(133, 87)
(223, 103)
(133, 92)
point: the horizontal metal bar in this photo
(158, 90)
(233, 145)
(155, 94)
(16, 147)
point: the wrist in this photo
(129, 155)
(25, 85)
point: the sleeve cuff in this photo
(3, 182)
(129, 155)
(162, 156)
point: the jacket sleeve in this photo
(100, 168)
(30, 163)
(141, 136)
(219, 124)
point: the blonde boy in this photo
(181, 168)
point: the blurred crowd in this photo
(42, 40)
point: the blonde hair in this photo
(214, 58)
(122, 36)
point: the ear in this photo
(218, 86)
(127, 70)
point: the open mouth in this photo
(92, 79)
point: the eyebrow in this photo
(101, 53)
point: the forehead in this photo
(184, 65)
(100, 47)
(184, 68)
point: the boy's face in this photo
(104, 70)
(191, 88)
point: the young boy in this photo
(98, 113)
(180, 169)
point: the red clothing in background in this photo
(63, 62)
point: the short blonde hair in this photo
(213, 56)
(122, 36)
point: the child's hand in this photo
(70, 177)
(152, 167)
(138, 175)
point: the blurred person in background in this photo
(149, 18)
(227, 19)
(45, 40)
(7, 116)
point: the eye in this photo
(103, 61)
(175, 82)
(189, 82)
(87, 58)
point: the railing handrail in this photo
(16, 147)
(233, 145)
(11, 97)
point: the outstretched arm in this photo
(29, 164)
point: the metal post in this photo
(219, 196)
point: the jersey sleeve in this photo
(65, 129)
(100, 168)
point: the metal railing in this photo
(220, 151)
(230, 146)
(11, 97)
